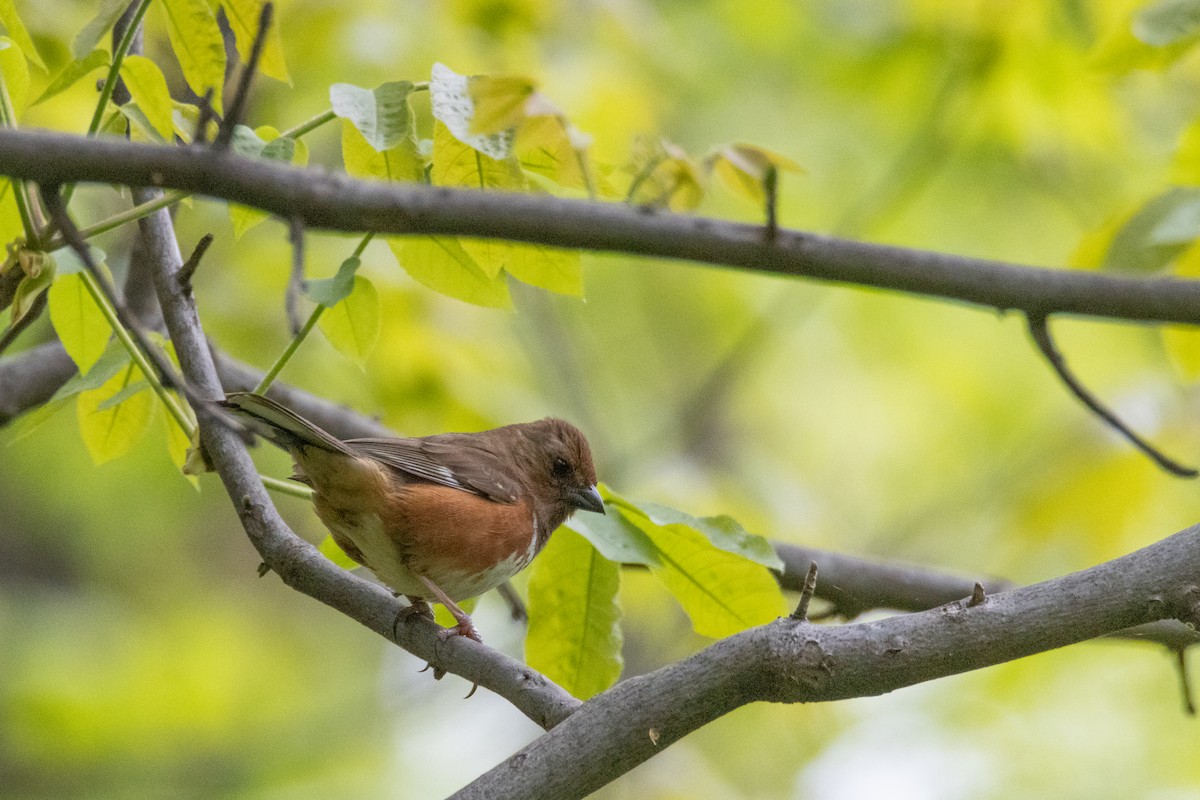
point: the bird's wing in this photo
(460, 461)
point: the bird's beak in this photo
(588, 499)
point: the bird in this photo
(436, 518)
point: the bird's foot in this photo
(464, 628)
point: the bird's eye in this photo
(561, 468)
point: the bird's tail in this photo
(279, 425)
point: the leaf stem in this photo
(114, 69)
(110, 315)
(310, 125)
(302, 334)
(8, 118)
(290, 488)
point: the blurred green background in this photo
(141, 657)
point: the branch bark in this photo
(798, 662)
(323, 200)
(294, 560)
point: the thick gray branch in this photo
(294, 560)
(792, 662)
(322, 200)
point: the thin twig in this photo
(1039, 330)
(771, 190)
(16, 327)
(516, 606)
(806, 594)
(1185, 682)
(237, 105)
(205, 115)
(295, 285)
(157, 361)
(184, 276)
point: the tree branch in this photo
(793, 662)
(335, 202)
(298, 563)
(1039, 331)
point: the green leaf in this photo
(179, 447)
(141, 129)
(546, 267)
(123, 395)
(722, 531)
(381, 115)
(16, 29)
(15, 71)
(196, 39)
(352, 326)
(743, 168)
(453, 106)
(616, 538)
(329, 548)
(67, 262)
(551, 147)
(722, 590)
(114, 359)
(112, 432)
(262, 142)
(574, 633)
(499, 102)
(331, 291)
(442, 264)
(401, 162)
(243, 19)
(1155, 234)
(87, 39)
(456, 163)
(1167, 22)
(11, 227)
(73, 73)
(78, 321)
(39, 269)
(148, 87)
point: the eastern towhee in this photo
(442, 517)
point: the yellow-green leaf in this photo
(106, 16)
(16, 29)
(442, 264)
(15, 72)
(149, 90)
(574, 633)
(546, 267)
(551, 147)
(112, 432)
(666, 177)
(743, 168)
(264, 137)
(382, 115)
(74, 72)
(11, 228)
(456, 163)
(352, 326)
(196, 40)
(723, 592)
(401, 162)
(243, 19)
(78, 321)
(179, 448)
(452, 105)
(499, 102)
(329, 548)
